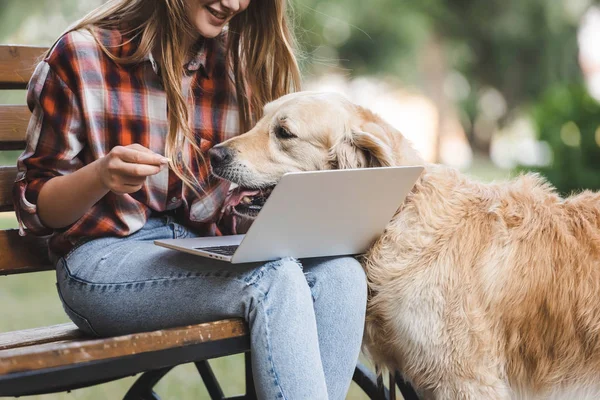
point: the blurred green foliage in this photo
(518, 47)
(568, 120)
(514, 45)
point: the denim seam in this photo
(269, 347)
(208, 275)
(67, 305)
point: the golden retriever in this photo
(477, 291)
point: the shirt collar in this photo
(197, 61)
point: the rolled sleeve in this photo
(54, 141)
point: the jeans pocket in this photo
(78, 319)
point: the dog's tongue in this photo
(235, 196)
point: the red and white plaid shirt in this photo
(83, 104)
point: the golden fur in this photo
(477, 291)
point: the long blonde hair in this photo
(260, 51)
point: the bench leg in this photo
(250, 389)
(213, 387)
(142, 388)
(392, 384)
(368, 381)
(210, 380)
(373, 386)
(408, 392)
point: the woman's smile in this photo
(222, 16)
(209, 17)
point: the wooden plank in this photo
(35, 336)
(7, 178)
(17, 64)
(22, 254)
(13, 126)
(52, 355)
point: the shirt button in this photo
(174, 199)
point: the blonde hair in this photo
(260, 51)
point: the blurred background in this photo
(491, 87)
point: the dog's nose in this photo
(219, 155)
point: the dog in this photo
(476, 290)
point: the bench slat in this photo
(13, 126)
(17, 64)
(7, 177)
(52, 355)
(22, 253)
(35, 336)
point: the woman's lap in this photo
(120, 285)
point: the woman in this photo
(139, 79)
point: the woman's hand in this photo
(64, 199)
(125, 168)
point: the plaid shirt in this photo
(83, 104)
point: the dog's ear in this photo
(344, 155)
(363, 147)
(374, 141)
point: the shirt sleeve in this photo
(53, 143)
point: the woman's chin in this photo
(209, 32)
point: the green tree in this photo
(518, 47)
(568, 120)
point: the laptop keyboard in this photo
(222, 250)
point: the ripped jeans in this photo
(306, 318)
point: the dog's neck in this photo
(436, 179)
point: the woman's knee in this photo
(284, 276)
(351, 274)
(341, 277)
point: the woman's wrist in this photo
(99, 173)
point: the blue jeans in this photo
(306, 318)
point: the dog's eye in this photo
(283, 133)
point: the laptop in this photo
(313, 214)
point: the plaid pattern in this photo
(83, 104)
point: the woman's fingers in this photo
(135, 156)
(125, 168)
(130, 169)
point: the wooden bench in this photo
(58, 358)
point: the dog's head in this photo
(306, 131)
